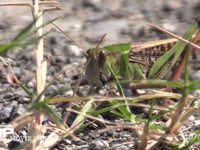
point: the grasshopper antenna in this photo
(174, 36)
(100, 41)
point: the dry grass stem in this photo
(46, 5)
(175, 36)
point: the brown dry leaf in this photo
(11, 79)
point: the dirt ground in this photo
(85, 21)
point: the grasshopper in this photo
(101, 62)
(131, 61)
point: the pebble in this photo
(169, 27)
(97, 5)
(13, 144)
(100, 144)
(51, 90)
(75, 51)
(119, 146)
(5, 114)
(196, 75)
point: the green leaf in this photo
(24, 38)
(124, 63)
(27, 90)
(24, 33)
(79, 120)
(123, 109)
(45, 108)
(119, 59)
(119, 86)
(156, 127)
(178, 85)
(167, 61)
(194, 138)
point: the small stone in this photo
(119, 146)
(13, 144)
(169, 27)
(97, 5)
(128, 92)
(197, 122)
(5, 114)
(192, 118)
(51, 90)
(16, 70)
(30, 84)
(53, 40)
(60, 59)
(69, 93)
(17, 111)
(8, 96)
(196, 75)
(26, 100)
(51, 139)
(99, 144)
(75, 51)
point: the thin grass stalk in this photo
(41, 65)
(187, 42)
(180, 108)
(143, 138)
(183, 100)
(35, 128)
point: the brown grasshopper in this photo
(148, 53)
(145, 54)
(100, 61)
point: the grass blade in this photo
(167, 61)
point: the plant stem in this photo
(41, 65)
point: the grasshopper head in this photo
(96, 59)
(94, 70)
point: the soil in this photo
(85, 21)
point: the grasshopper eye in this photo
(101, 59)
(102, 56)
(88, 52)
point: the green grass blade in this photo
(123, 109)
(24, 38)
(100, 111)
(156, 127)
(121, 51)
(47, 110)
(78, 122)
(26, 32)
(27, 90)
(119, 86)
(195, 139)
(167, 61)
(124, 66)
